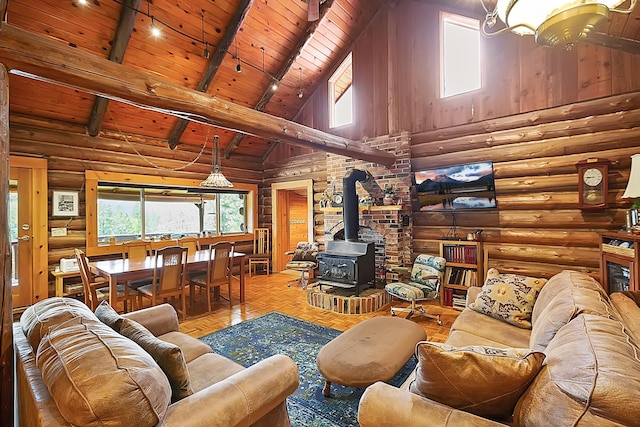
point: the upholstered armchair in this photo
(303, 260)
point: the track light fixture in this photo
(155, 31)
(274, 86)
(238, 65)
(206, 43)
(300, 93)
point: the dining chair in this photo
(96, 288)
(191, 243)
(261, 251)
(136, 249)
(218, 272)
(169, 278)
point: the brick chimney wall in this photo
(387, 221)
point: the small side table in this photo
(60, 276)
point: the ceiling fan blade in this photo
(313, 11)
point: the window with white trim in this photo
(460, 66)
(341, 95)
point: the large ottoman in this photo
(374, 350)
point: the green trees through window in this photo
(128, 212)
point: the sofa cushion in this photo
(191, 348)
(484, 381)
(168, 356)
(491, 329)
(97, 377)
(211, 368)
(591, 377)
(627, 307)
(566, 279)
(508, 297)
(37, 319)
(109, 316)
(567, 304)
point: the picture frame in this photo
(64, 203)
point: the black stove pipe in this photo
(350, 214)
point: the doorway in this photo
(292, 218)
(28, 215)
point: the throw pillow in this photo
(508, 297)
(484, 381)
(109, 316)
(97, 377)
(168, 356)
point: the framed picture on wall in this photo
(65, 203)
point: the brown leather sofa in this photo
(73, 369)
(590, 376)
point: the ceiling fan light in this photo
(555, 23)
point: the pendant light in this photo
(216, 178)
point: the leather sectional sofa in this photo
(73, 369)
(590, 375)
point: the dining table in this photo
(123, 270)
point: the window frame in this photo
(469, 22)
(335, 76)
(92, 179)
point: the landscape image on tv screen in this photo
(468, 186)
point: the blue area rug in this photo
(275, 333)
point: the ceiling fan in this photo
(313, 11)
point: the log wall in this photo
(70, 152)
(540, 111)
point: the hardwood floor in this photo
(270, 293)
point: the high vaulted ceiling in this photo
(272, 40)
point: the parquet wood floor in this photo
(270, 293)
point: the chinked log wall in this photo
(308, 166)
(70, 152)
(538, 228)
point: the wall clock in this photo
(593, 184)
(337, 200)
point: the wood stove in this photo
(348, 263)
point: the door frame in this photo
(39, 289)
(279, 217)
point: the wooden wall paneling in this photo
(393, 125)
(594, 72)
(533, 76)
(6, 311)
(425, 66)
(562, 76)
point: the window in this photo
(129, 211)
(341, 95)
(460, 55)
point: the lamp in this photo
(216, 178)
(552, 23)
(633, 191)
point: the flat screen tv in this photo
(469, 186)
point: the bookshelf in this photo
(463, 269)
(620, 261)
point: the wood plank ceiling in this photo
(272, 40)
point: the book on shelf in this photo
(461, 253)
(448, 297)
(460, 276)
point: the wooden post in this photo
(6, 315)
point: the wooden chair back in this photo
(88, 280)
(219, 266)
(261, 242)
(169, 273)
(136, 250)
(191, 243)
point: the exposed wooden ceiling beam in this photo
(214, 64)
(127, 21)
(613, 42)
(55, 62)
(295, 52)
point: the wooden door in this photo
(28, 234)
(284, 195)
